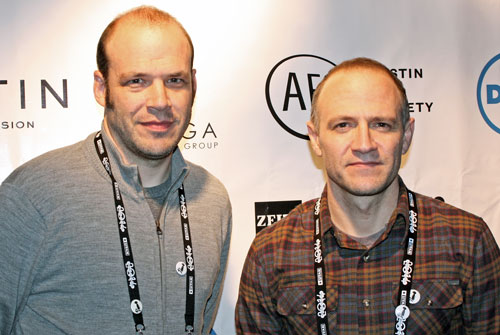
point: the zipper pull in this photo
(158, 229)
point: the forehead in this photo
(135, 43)
(359, 91)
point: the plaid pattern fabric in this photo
(457, 275)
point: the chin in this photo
(365, 193)
(155, 153)
(370, 188)
(160, 155)
(365, 189)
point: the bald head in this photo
(144, 15)
(360, 64)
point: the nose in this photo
(158, 97)
(363, 140)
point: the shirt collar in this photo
(326, 220)
(128, 174)
(401, 212)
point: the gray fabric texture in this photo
(61, 261)
(156, 197)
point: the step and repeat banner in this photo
(258, 63)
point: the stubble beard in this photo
(133, 145)
(355, 189)
(360, 191)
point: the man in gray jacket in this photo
(118, 234)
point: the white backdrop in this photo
(444, 52)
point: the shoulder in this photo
(444, 214)
(279, 253)
(48, 178)
(27, 194)
(446, 227)
(50, 165)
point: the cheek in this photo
(331, 152)
(335, 146)
(126, 102)
(181, 100)
(394, 152)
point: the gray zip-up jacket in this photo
(61, 266)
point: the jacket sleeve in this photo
(21, 234)
(255, 310)
(213, 301)
(482, 296)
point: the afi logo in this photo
(488, 93)
(289, 90)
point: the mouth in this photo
(367, 164)
(157, 126)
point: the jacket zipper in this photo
(159, 234)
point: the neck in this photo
(154, 174)
(361, 216)
(151, 172)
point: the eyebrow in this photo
(392, 119)
(348, 118)
(343, 118)
(125, 76)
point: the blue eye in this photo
(343, 125)
(383, 126)
(175, 80)
(135, 81)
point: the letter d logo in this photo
(493, 94)
(488, 93)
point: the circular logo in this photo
(136, 306)
(181, 268)
(289, 89)
(488, 93)
(402, 312)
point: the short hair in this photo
(147, 14)
(361, 63)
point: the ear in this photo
(99, 88)
(314, 138)
(193, 82)
(408, 134)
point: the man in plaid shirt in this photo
(348, 269)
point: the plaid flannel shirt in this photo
(457, 274)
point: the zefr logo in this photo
(488, 93)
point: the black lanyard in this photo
(188, 256)
(128, 259)
(402, 311)
(320, 275)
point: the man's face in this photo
(360, 135)
(150, 88)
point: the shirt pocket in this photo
(297, 307)
(435, 306)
